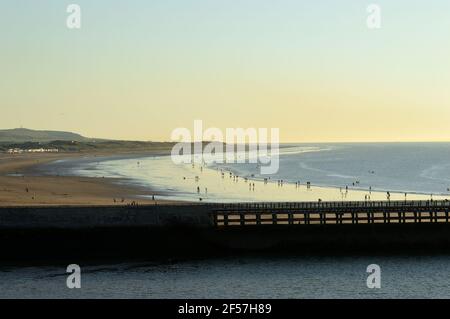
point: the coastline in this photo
(46, 180)
(23, 184)
(198, 183)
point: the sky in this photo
(139, 69)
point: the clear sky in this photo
(139, 69)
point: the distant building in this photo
(32, 150)
(15, 151)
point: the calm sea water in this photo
(249, 277)
(403, 167)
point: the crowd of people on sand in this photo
(132, 203)
(280, 183)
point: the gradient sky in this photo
(139, 69)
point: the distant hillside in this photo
(71, 142)
(21, 135)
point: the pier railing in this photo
(307, 213)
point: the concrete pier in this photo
(188, 230)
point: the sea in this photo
(419, 276)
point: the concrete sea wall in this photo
(186, 231)
(88, 217)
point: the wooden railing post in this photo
(290, 218)
(274, 219)
(306, 219)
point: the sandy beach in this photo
(45, 179)
(21, 185)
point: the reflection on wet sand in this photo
(200, 183)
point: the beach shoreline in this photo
(23, 183)
(47, 179)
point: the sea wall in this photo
(91, 232)
(187, 231)
(88, 217)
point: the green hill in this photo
(21, 135)
(72, 142)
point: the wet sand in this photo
(200, 183)
(35, 179)
(21, 184)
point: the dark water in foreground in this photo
(238, 277)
